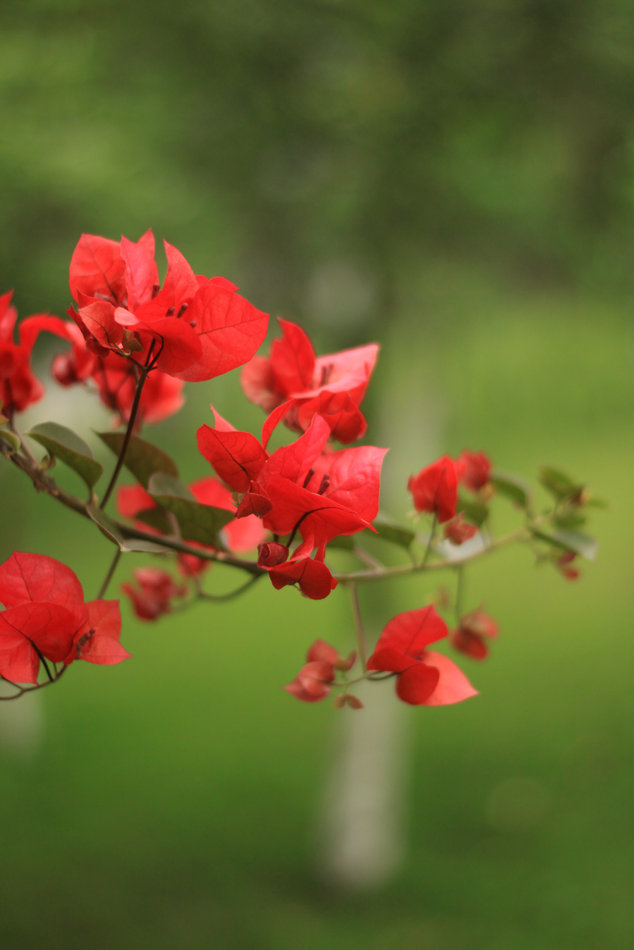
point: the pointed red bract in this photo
(46, 618)
(154, 591)
(332, 386)
(424, 678)
(98, 640)
(457, 530)
(311, 576)
(473, 631)
(435, 489)
(474, 469)
(312, 683)
(19, 387)
(25, 578)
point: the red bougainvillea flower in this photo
(19, 388)
(46, 618)
(300, 486)
(424, 678)
(474, 630)
(458, 531)
(313, 682)
(292, 377)
(474, 469)
(193, 327)
(154, 593)
(435, 489)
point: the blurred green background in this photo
(453, 180)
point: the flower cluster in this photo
(264, 511)
(46, 618)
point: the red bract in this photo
(153, 595)
(435, 489)
(19, 388)
(474, 630)
(292, 377)
(193, 327)
(46, 618)
(423, 678)
(458, 531)
(474, 469)
(311, 576)
(313, 682)
(300, 486)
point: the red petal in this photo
(236, 456)
(355, 476)
(292, 359)
(435, 488)
(416, 684)
(141, 272)
(35, 577)
(322, 651)
(412, 631)
(98, 641)
(97, 268)
(453, 686)
(229, 328)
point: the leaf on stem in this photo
(511, 487)
(10, 439)
(392, 532)
(581, 544)
(197, 522)
(68, 447)
(142, 458)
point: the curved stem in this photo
(128, 435)
(108, 577)
(202, 595)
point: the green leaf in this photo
(559, 484)
(474, 511)
(569, 517)
(392, 532)
(197, 522)
(142, 459)
(66, 445)
(10, 439)
(581, 544)
(511, 487)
